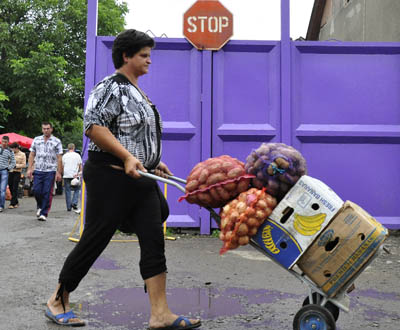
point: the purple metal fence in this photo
(338, 103)
(246, 97)
(346, 120)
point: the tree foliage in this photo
(4, 113)
(42, 62)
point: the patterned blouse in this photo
(117, 104)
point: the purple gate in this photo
(346, 120)
(338, 103)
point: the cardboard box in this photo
(349, 241)
(278, 243)
(306, 210)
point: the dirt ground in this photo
(240, 290)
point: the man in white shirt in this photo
(44, 166)
(72, 169)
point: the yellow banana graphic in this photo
(311, 225)
(308, 225)
(304, 231)
(311, 218)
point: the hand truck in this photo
(318, 311)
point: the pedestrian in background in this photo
(14, 177)
(7, 163)
(125, 132)
(72, 169)
(44, 166)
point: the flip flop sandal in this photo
(66, 317)
(177, 325)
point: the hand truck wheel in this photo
(314, 317)
(317, 299)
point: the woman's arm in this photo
(106, 141)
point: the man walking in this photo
(44, 165)
(14, 177)
(7, 163)
(72, 168)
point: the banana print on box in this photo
(308, 225)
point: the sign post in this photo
(208, 25)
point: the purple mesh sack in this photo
(277, 167)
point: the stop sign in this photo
(208, 24)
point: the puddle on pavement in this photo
(374, 313)
(370, 293)
(106, 264)
(129, 307)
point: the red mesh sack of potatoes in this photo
(215, 181)
(241, 217)
(277, 167)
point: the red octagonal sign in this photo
(208, 25)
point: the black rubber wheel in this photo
(317, 299)
(314, 317)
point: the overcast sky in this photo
(252, 19)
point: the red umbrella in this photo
(23, 141)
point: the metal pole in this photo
(90, 74)
(286, 118)
(206, 114)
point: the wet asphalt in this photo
(242, 289)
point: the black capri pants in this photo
(115, 200)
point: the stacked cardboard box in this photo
(347, 243)
(329, 240)
(297, 220)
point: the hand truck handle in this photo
(168, 181)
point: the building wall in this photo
(361, 20)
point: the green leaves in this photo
(41, 84)
(3, 97)
(42, 62)
(4, 113)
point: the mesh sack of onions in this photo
(277, 167)
(216, 181)
(241, 217)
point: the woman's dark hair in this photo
(129, 42)
(14, 145)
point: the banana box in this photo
(306, 210)
(347, 243)
(278, 243)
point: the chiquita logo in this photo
(268, 241)
(308, 225)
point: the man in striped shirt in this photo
(7, 163)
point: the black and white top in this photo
(46, 153)
(118, 105)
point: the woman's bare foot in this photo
(56, 307)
